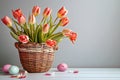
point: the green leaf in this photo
(13, 30)
(18, 31)
(26, 29)
(23, 28)
(50, 22)
(31, 30)
(16, 23)
(14, 36)
(54, 35)
(40, 39)
(55, 28)
(36, 33)
(58, 37)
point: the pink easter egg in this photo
(5, 68)
(62, 67)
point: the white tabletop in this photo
(84, 74)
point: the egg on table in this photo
(5, 68)
(13, 70)
(62, 67)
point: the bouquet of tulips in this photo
(43, 32)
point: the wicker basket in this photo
(35, 57)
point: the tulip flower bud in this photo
(66, 32)
(45, 28)
(51, 43)
(64, 21)
(32, 19)
(17, 13)
(62, 12)
(23, 38)
(47, 12)
(36, 10)
(73, 36)
(21, 20)
(7, 21)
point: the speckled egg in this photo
(5, 68)
(13, 70)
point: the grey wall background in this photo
(97, 23)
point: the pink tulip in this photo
(36, 10)
(64, 21)
(21, 20)
(51, 43)
(7, 21)
(66, 32)
(47, 12)
(32, 19)
(62, 12)
(45, 28)
(23, 38)
(17, 13)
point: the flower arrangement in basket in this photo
(34, 39)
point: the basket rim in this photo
(34, 47)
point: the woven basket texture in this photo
(35, 57)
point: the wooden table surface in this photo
(84, 74)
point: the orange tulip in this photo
(32, 19)
(7, 21)
(36, 10)
(45, 28)
(62, 12)
(21, 20)
(64, 21)
(17, 13)
(73, 36)
(66, 32)
(47, 12)
(51, 43)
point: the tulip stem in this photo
(54, 35)
(13, 30)
(55, 28)
(56, 19)
(42, 19)
(14, 35)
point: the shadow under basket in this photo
(36, 57)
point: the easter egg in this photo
(5, 68)
(62, 67)
(13, 70)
